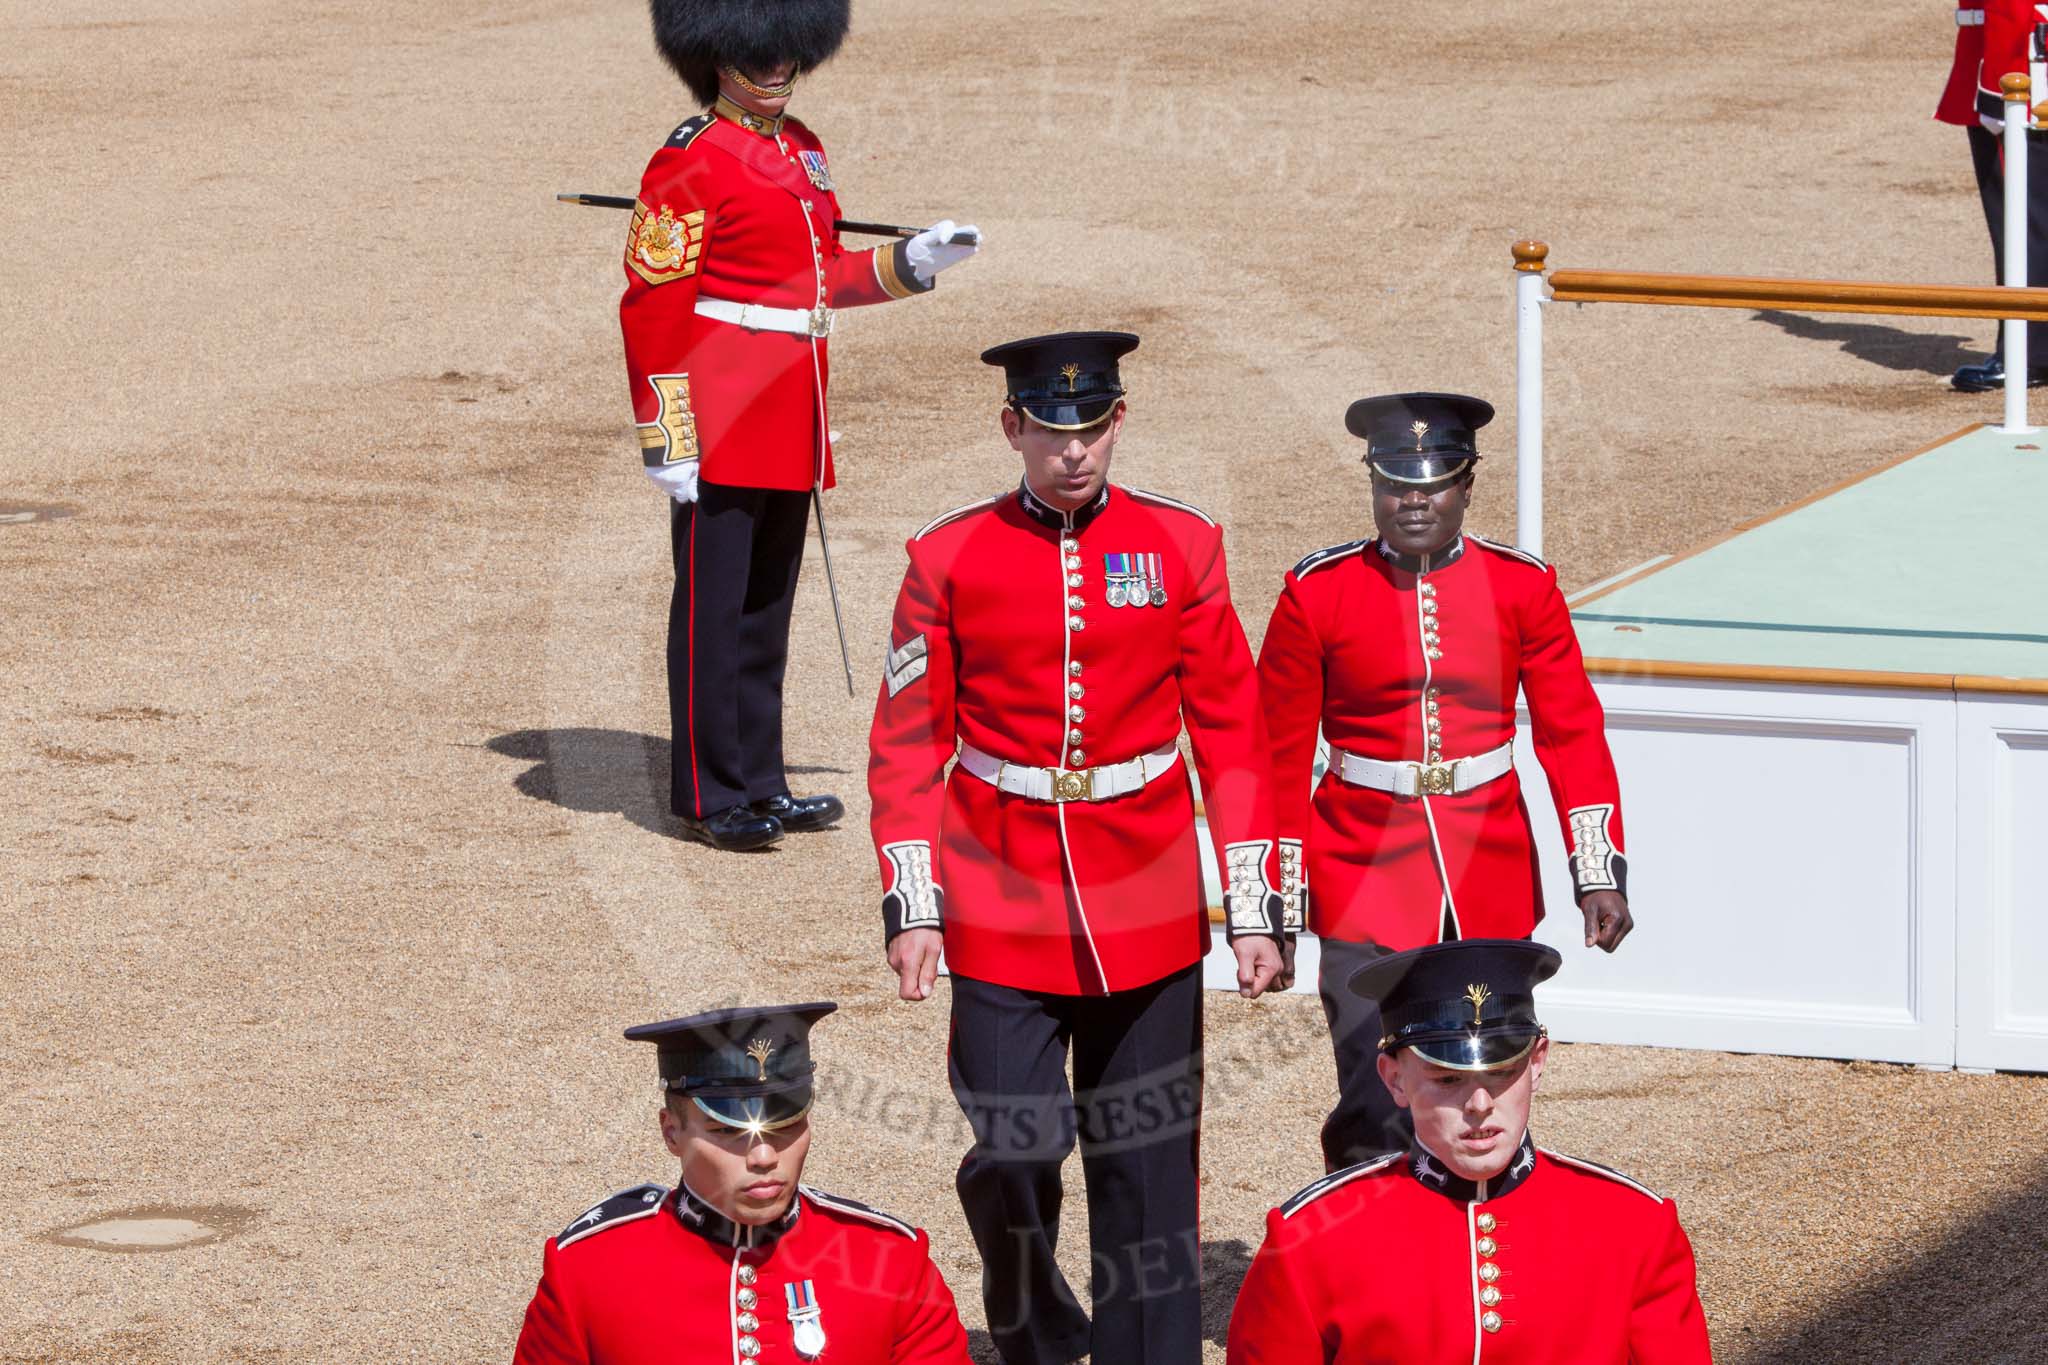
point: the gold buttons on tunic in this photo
(1486, 1222)
(1073, 562)
(1075, 690)
(1486, 1246)
(747, 1322)
(747, 1298)
(1070, 546)
(1077, 602)
(1074, 667)
(1074, 759)
(1075, 713)
(1073, 579)
(748, 1274)
(1428, 588)
(749, 1347)
(1076, 623)
(1490, 1320)
(1074, 736)
(1489, 1296)
(1488, 1271)
(1436, 654)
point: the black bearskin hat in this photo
(696, 35)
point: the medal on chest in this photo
(814, 167)
(1135, 580)
(806, 1322)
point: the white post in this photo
(1529, 258)
(2016, 90)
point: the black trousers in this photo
(1987, 162)
(737, 555)
(1365, 1121)
(1136, 1109)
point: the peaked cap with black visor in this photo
(1465, 1005)
(1067, 381)
(698, 36)
(749, 1067)
(1419, 438)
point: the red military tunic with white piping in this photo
(1958, 104)
(1400, 1262)
(1067, 650)
(741, 215)
(653, 1276)
(1408, 661)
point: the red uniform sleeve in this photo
(551, 1334)
(1571, 742)
(910, 743)
(1667, 1326)
(1219, 690)
(877, 276)
(2008, 26)
(1291, 696)
(673, 220)
(1270, 1324)
(930, 1332)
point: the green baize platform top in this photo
(1937, 564)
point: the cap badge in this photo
(1478, 995)
(759, 1050)
(1072, 373)
(1421, 429)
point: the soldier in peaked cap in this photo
(1057, 638)
(733, 270)
(739, 1252)
(1407, 650)
(1474, 1244)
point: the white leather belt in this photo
(755, 317)
(1062, 784)
(1969, 18)
(1455, 778)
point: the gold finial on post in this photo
(2015, 87)
(1529, 256)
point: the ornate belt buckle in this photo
(821, 321)
(1437, 778)
(1074, 786)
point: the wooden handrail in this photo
(1797, 296)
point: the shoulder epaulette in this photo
(1175, 503)
(945, 518)
(1595, 1168)
(1336, 1180)
(853, 1208)
(627, 1206)
(686, 131)
(1329, 555)
(1509, 550)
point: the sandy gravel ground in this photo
(332, 725)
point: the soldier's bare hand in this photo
(1607, 919)
(1258, 963)
(914, 955)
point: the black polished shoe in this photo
(1982, 377)
(802, 814)
(733, 830)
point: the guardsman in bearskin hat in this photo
(1407, 650)
(733, 272)
(1057, 638)
(1475, 1243)
(740, 1255)
(1994, 40)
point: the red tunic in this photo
(725, 213)
(1004, 638)
(1397, 1262)
(1346, 650)
(1959, 97)
(633, 1283)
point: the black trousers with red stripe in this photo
(737, 555)
(1136, 1108)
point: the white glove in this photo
(1992, 125)
(942, 244)
(678, 480)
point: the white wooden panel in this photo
(1791, 869)
(2002, 884)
